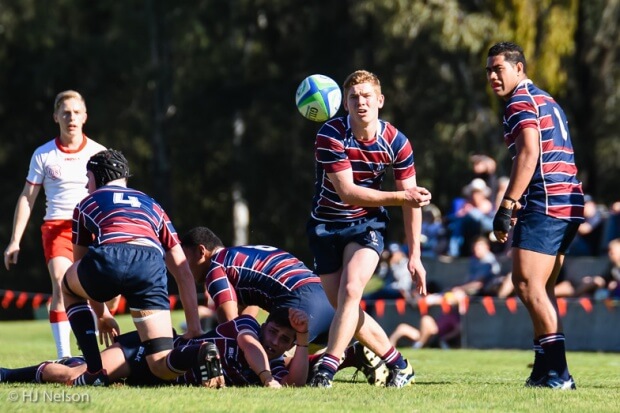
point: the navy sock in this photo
(83, 325)
(183, 358)
(555, 353)
(394, 359)
(329, 365)
(21, 375)
(540, 367)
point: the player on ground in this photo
(58, 167)
(123, 241)
(249, 354)
(545, 191)
(348, 220)
(254, 276)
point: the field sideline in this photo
(455, 381)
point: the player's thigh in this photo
(152, 324)
(114, 362)
(72, 281)
(57, 268)
(359, 265)
(331, 285)
(155, 328)
(531, 268)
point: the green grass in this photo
(454, 381)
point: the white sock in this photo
(61, 330)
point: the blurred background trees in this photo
(199, 94)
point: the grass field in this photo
(454, 381)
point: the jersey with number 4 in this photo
(554, 189)
(115, 214)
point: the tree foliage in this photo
(199, 94)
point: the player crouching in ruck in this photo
(123, 241)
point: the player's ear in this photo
(381, 100)
(204, 252)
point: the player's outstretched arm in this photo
(179, 268)
(354, 194)
(257, 359)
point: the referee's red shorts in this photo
(56, 236)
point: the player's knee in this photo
(157, 345)
(156, 350)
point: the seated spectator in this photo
(483, 270)
(433, 232)
(612, 225)
(606, 285)
(445, 332)
(473, 219)
(589, 235)
(393, 270)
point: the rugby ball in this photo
(318, 98)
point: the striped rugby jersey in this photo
(255, 275)
(236, 369)
(336, 149)
(554, 189)
(115, 214)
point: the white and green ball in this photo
(318, 98)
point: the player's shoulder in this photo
(391, 133)
(93, 146)
(335, 127)
(47, 147)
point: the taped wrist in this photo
(501, 222)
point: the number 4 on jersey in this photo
(119, 198)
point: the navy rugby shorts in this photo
(328, 239)
(137, 272)
(544, 234)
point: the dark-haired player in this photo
(256, 275)
(545, 190)
(123, 242)
(249, 354)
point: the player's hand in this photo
(189, 334)
(502, 222)
(299, 320)
(108, 329)
(418, 274)
(215, 383)
(11, 254)
(272, 383)
(417, 197)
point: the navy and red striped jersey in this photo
(237, 371)
(115, 214)
(255, 275)
(554, 189)
(336, 149)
